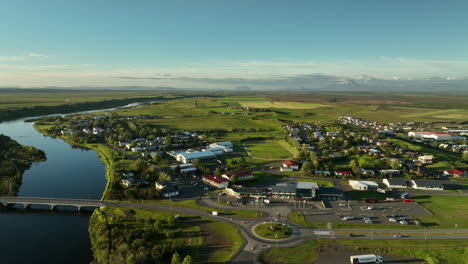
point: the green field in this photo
(224, 242)
(267, 149)
(433, 252)
(448, 211)
(306, 252)
(298, 218)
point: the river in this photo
(36, 236)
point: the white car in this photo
(370, 207)
(403, 222)
(397, 236)
(392, 220)
(368, 221)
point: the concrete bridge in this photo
(52, 202)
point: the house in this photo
(427, 185)
(239, 191)
(214, 181)
(168, 192)
(238, 176)
(456, 173)
(289, 165)
(283, 191)
(426, 159)
(395, 183)
(389, 173)
(129, 182)
(367, 173)
(126, 173)
(163, 184)
(137, 149)
(98, 130)
(323, 172)
(363, 185)
(344, 173)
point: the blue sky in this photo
(73, 43)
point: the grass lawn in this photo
(262, 178)
(298, 218)
(360, 195)
(306, 252)
(447, 211)
(267, 149)
(273, 231)
(433, 251)
(226, 241)
(192, 204)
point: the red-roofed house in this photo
(289, 165)
(217, 182)
(344, 173)
(239, 175)
(456, 173)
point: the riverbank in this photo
(15, 159)
(105, 154)
(39, 110)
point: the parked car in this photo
(370, 207)
(368, 221)
(403, 222)
(392, 220)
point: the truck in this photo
(370, 258)
(405, 195)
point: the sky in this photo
(228, 44)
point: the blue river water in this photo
(39, 236)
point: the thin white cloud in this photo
(229, 73)
(37, 55)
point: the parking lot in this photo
(396, 213)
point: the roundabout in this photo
(273, 231)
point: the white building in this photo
(395, 183)
(363, 185)
(427, 185)
(426, 159)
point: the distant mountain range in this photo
(312, 82)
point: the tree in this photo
(465, 156)
(163, 176)
(395, 164)
(218, 172)
(175, 258)
(307, 168)
(187, 260)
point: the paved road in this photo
(50, 201)
(254, 245)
